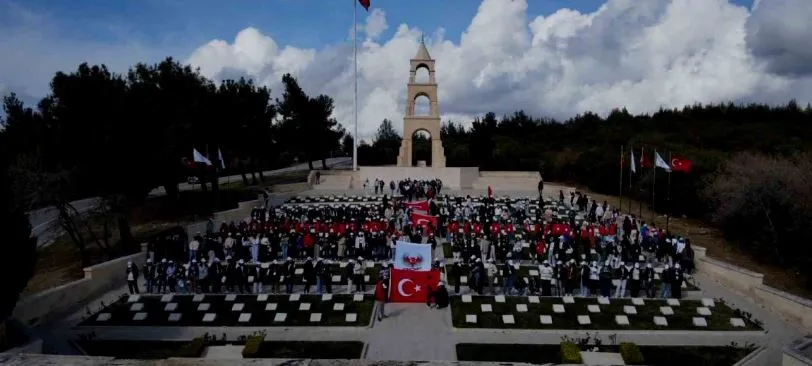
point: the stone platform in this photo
(455, 178)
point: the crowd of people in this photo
(579, 247)
(410, 189)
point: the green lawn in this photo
(643, 320)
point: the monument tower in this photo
(429, 123)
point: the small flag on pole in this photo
(660, 163)
(220, 156)
(199, 158)
(633, 164)
(365, 4)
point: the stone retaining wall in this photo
(751, 285)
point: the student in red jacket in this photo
(381, 297)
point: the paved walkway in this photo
(412, 332)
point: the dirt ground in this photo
(704, 235)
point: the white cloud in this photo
(639, 55)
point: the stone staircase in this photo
(508, 181)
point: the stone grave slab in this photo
(533, 272)
(546, 319)
(262, 298)
(174, 317)
(366, 278)
(370, 264)
(134, 298)
(593, 308)
(198, 298)
(656, 276)
(708, 303)
(298, 271)
(166, 298)
(621, 320)
(533, 299)
(337, 279)
(103, 317)
(230, 297)
(558, 308)
(660, 321)
(237, 307)
(568, 300)
(584, 320)
(172, 306)
(209, 317)
(683, 285)
(294, 297)
(700, 321)
(602, 358)
(703, 311)
(315, 317)
(342, 264)
(326, 297)
(305, 306)
(737, 322)
(638, 301)
(271, 306)
(508, 319)
(630, 310)
(499, 298)
(522, 308)
(486, 308)
(463, 280)
(137, 307)
(203, 306)
(358, 297)
(244, 318)
(139, 316)
(603, 300)
(351, 318)
(339, 306)
(470, 318)
(466, 298)
(280, 317)
(672, 302)
(666, 310)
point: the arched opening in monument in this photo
(421, 75)
(422, 105)
(421, 148)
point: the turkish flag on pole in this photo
(412, 286)
(421, 219)
(365, 4)
(681, 164)
(420, 205)
(645, 161)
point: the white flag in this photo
(634, 165)
(660, 163)
(199, 158)
(412, 256)
(220, 156)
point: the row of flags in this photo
(676, 164)
(201, 159)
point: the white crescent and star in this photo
(403, 282)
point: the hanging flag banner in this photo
(413, 286)
(418, 206)
(422, 219)
(412, 256)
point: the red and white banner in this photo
(412, 286)
(417, 206)
(421, 219)
(412, 256)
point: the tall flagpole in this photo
(620, 201)
(668, 198)
(355, 77)
(653, 186)
(631, 150)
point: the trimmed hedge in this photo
(571, 353)
(252, 346)
(631, 354)
(193, 349)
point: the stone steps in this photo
(334, 183)
(507, 183)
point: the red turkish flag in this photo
(412, 286)
(680, 164)
(645, 161)
(419, 206)
(365, 4)
(421, 219)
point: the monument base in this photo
(452, 177)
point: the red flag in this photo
(645, 161)
(419, 206)
(421, 219)
(365, 4)
(412, 286)
(681, 164)
(490, 191)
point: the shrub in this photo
(631, 354)
(192, 349)
(571, 353)
(252, 346)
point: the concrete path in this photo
(412, 332)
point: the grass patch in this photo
(312, 350)
(605, 320)
(136, 350)
(122, 315)
(525, 271)
(652, 355)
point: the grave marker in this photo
(621, 320)
(262, 298)
(593, 308)
(508, 319)
(603, 300)
(294, 297)
(280, 317)
(638, 301)
(351, 318)
(209, 317)
(237, 307)
(198, 298)
(568, 300)
(166, 298)
(737, 322)
(172, 306)
(305, 306)
(137, 307)
(466, 298)
(708, 303)
(139, 316)
(558, 308)
(522, 308)
(244, 318)
(315, 317)
(630, 310)
(271, 306)
(486, 308)
(174, 317)
(666, 310)
(703, 311)
(533, 299)
(700, 322)
(470, 318)
(546, 319)
(338, 306)
(358, 297)
(584, 320)
(134, 298)
(660, 321)
(230, 297)
(673, 302)
(103, 317)
(203, 306)
(499, 298)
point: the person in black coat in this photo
(309, 274)
(438, 297)
(132, 278)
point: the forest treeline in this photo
(749, 173)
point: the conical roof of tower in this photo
(422, 52)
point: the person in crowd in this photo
(381, 297)
(438, 297)
(132, 278)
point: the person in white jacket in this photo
(546, 277)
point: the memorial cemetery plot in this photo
(338, 274)
(236, 310)
(533, 312)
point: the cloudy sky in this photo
(552, 58)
